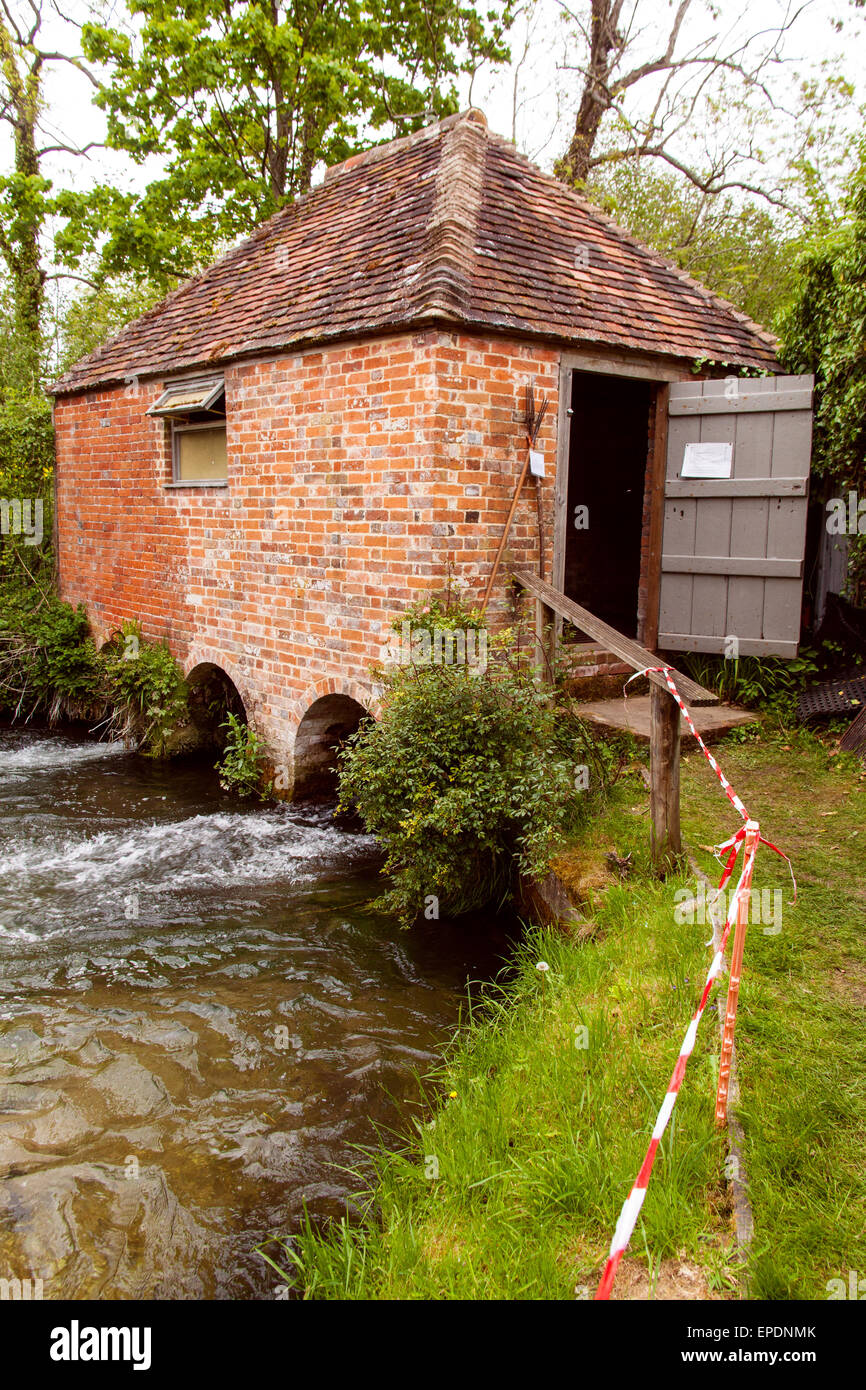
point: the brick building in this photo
(269, 465)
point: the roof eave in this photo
(433, 315)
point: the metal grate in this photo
(845, 695)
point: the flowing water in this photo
(199, 1021)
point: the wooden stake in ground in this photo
(667, 843)
(740, 926)
(515, 499)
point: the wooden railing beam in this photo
(629, 652)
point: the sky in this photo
(542, 120)
(539, 114)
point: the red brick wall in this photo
(357, 476)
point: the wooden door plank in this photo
(657, 514)
(744, 403)
(736, 487)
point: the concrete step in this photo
(633, 716)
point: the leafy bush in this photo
(240, 767)
(26, 474)
(823, 330)
(48, 663)
(49, 667)
(467, 779)
(146, 688)
(445, 610)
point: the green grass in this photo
(801, 1033)
(513, 1180)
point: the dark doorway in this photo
(606, 466)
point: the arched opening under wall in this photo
(326, 725)
(213, 695)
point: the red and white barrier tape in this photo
(666, 672)
(633, 1203)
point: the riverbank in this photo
(540, 1114)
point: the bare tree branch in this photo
(607, 79)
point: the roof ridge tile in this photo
(449, 256)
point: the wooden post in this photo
(504, 537)
(665, 778)
(740, 925)
(649, 635)
(544, 649)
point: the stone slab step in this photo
(633, 716)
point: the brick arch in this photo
(335, 685)
(327, 712)
(211, 656)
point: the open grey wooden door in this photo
(733, 546)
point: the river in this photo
(200, 1021)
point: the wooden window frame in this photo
(177, 423)
(210, 388)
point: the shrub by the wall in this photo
(468, 778)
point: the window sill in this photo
(203, 483)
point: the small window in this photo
(196, 412)
(200, 454)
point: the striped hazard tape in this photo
(747, 837)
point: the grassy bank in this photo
(801, 1032)
(540, 1114)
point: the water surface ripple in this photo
(199, 1020)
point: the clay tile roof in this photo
(447, 226)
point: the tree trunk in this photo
(19, 241)
(29, 277)
(605, 49)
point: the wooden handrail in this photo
(632, 653)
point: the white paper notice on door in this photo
(707, 461)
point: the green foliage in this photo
(739, 249)
(99, 314)
(243, 99)
(241, 766)
(145, 686)
(767, 683)
(467, 778)
(27, 478)
(26, 447)
(824, 331)
(446, 610)
(49, 667)
(48, 663)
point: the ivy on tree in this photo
(824, 331)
